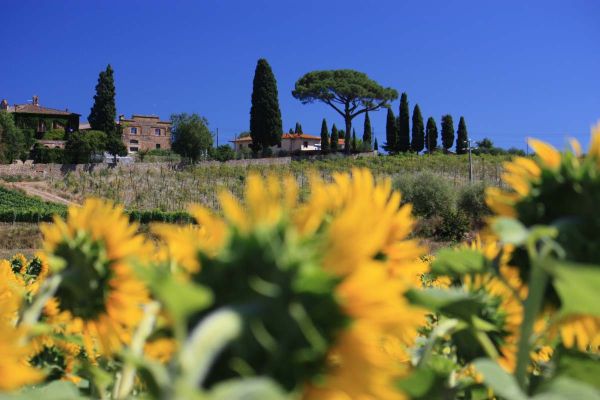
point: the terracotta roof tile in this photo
(33, 109)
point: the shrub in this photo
(453, 226)
(430, 194)
(471, 201)
(223, 153)
(43, 155)
(54, 134)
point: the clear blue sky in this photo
(515, 69)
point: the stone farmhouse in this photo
(145, 132)
(290, 142)
(39, 120)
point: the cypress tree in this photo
(334, 139)
(447, 132)
(418, 130)
(354, 149)
(375, 145)
(391, 132)
(104, 113)
(462, 137)
(367, 133)
(324, 137)
(403, 144)
(298, 128)
(431, 135)
(265, 115)
(291, 131)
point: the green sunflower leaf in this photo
(584, 367)
(247, 389)
(459, 262)
(498, 380)
(450, 302)
(577, 285)
(510, 230)
(562, 388)
(57, 390)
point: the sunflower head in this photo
(559, 189)
(92, 250)
(18, 263)
(271, 274)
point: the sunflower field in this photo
(329, 297)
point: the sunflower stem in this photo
(49, 287)
(136, 349)
(538, 279)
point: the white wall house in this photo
(290, 142)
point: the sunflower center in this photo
(85, 285)
(287, 302)
(35, 267)
(52, 360)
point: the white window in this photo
(157, 145)
(157, 131)
(133, 130)
(133, 141)
(133, 149)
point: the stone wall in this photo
(34, 171)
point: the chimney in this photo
(4, 104)
(36, 101)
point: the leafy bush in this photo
(429, 193)
(471, 201)
(223, 153)
(81, 145)
(43, 155)
(453, 226)
(54, 134)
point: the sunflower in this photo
(15, 370)
(99, 297)
(323, 281)
(18, 263)
(377, 269)
(551, 188)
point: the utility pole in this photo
(470, 163)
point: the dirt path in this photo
(37, 189)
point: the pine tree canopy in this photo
(418, 131)
(391, 132)
(403, 143)
(324, 137)
(348, 92)
(431, 135)
(265, 115)
(447, 131)
(462, 137)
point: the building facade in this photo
(290, 142)
(145, 132)
(40, 119)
